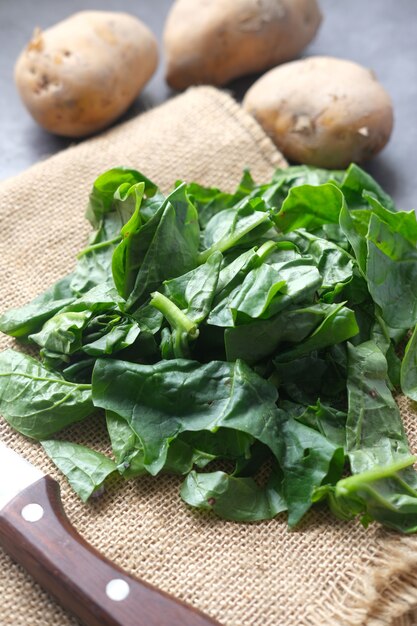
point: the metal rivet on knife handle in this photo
(32, 512)
(117, 589)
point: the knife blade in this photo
(36, 533)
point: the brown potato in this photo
(78, 76)
(214, 41)
(322, 111)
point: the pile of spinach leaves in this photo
(258, 329)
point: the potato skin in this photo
(214, 41)
(78, 76)
(322, 111)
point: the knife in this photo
(36, 533)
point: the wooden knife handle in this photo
(36, 533)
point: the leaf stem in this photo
(345, 486)
(174, 315)
(98, 246)
(229, 241)
(265, 249)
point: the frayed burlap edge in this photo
(383, 594)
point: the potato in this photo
(214, 41)
(322, 111)
(78, 76)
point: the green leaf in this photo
(227, 228)
(339, 325)
(391, 272)
(308, 378)
(301, 280)
(85, 469)
(165, 247)
(125, 256)
(377, 445)
(114, 339)
(22, 321)
(327, 420)
(194, 291)
(385, 493)
(92, 324)
(374, 428)
(335, 265)
(356, 183)
(36, 401)
(297, 175)
(63, 332)
(257, 292)
(126, 446)
(208, 201)
(409, 368)
(161, 401)
(95, 261)
(307, 459)
(307, 206)
(351, 228)
(239, 499)
(403, 222)
(105, 186)
(257, 340)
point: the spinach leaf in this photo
(36, 401)
(257, 292)
(327, 420)
(308, 459)
(265, 287)
(126, 446)
(335, 265)
(356, 182)
(307, 206)
(21, 322)
(385, 493)
(377, 445)
(124, 258)
(239, 499)
(161, 401)
(339, 325)
(95, 261)
(391, 272)
(409, 368)
(228, 228)
(114, 333)
(257, 340)
(189, 302)
(194, 291)
(164, 247)
(297, 175)
(308, 378)
(102, 195)
(208, 201)
(223, 444)
(374, 431)
(403, 222)
(351, 227)
(92, 324)
(85, 469)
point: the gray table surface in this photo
(380, 34)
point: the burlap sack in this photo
(326, 572)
